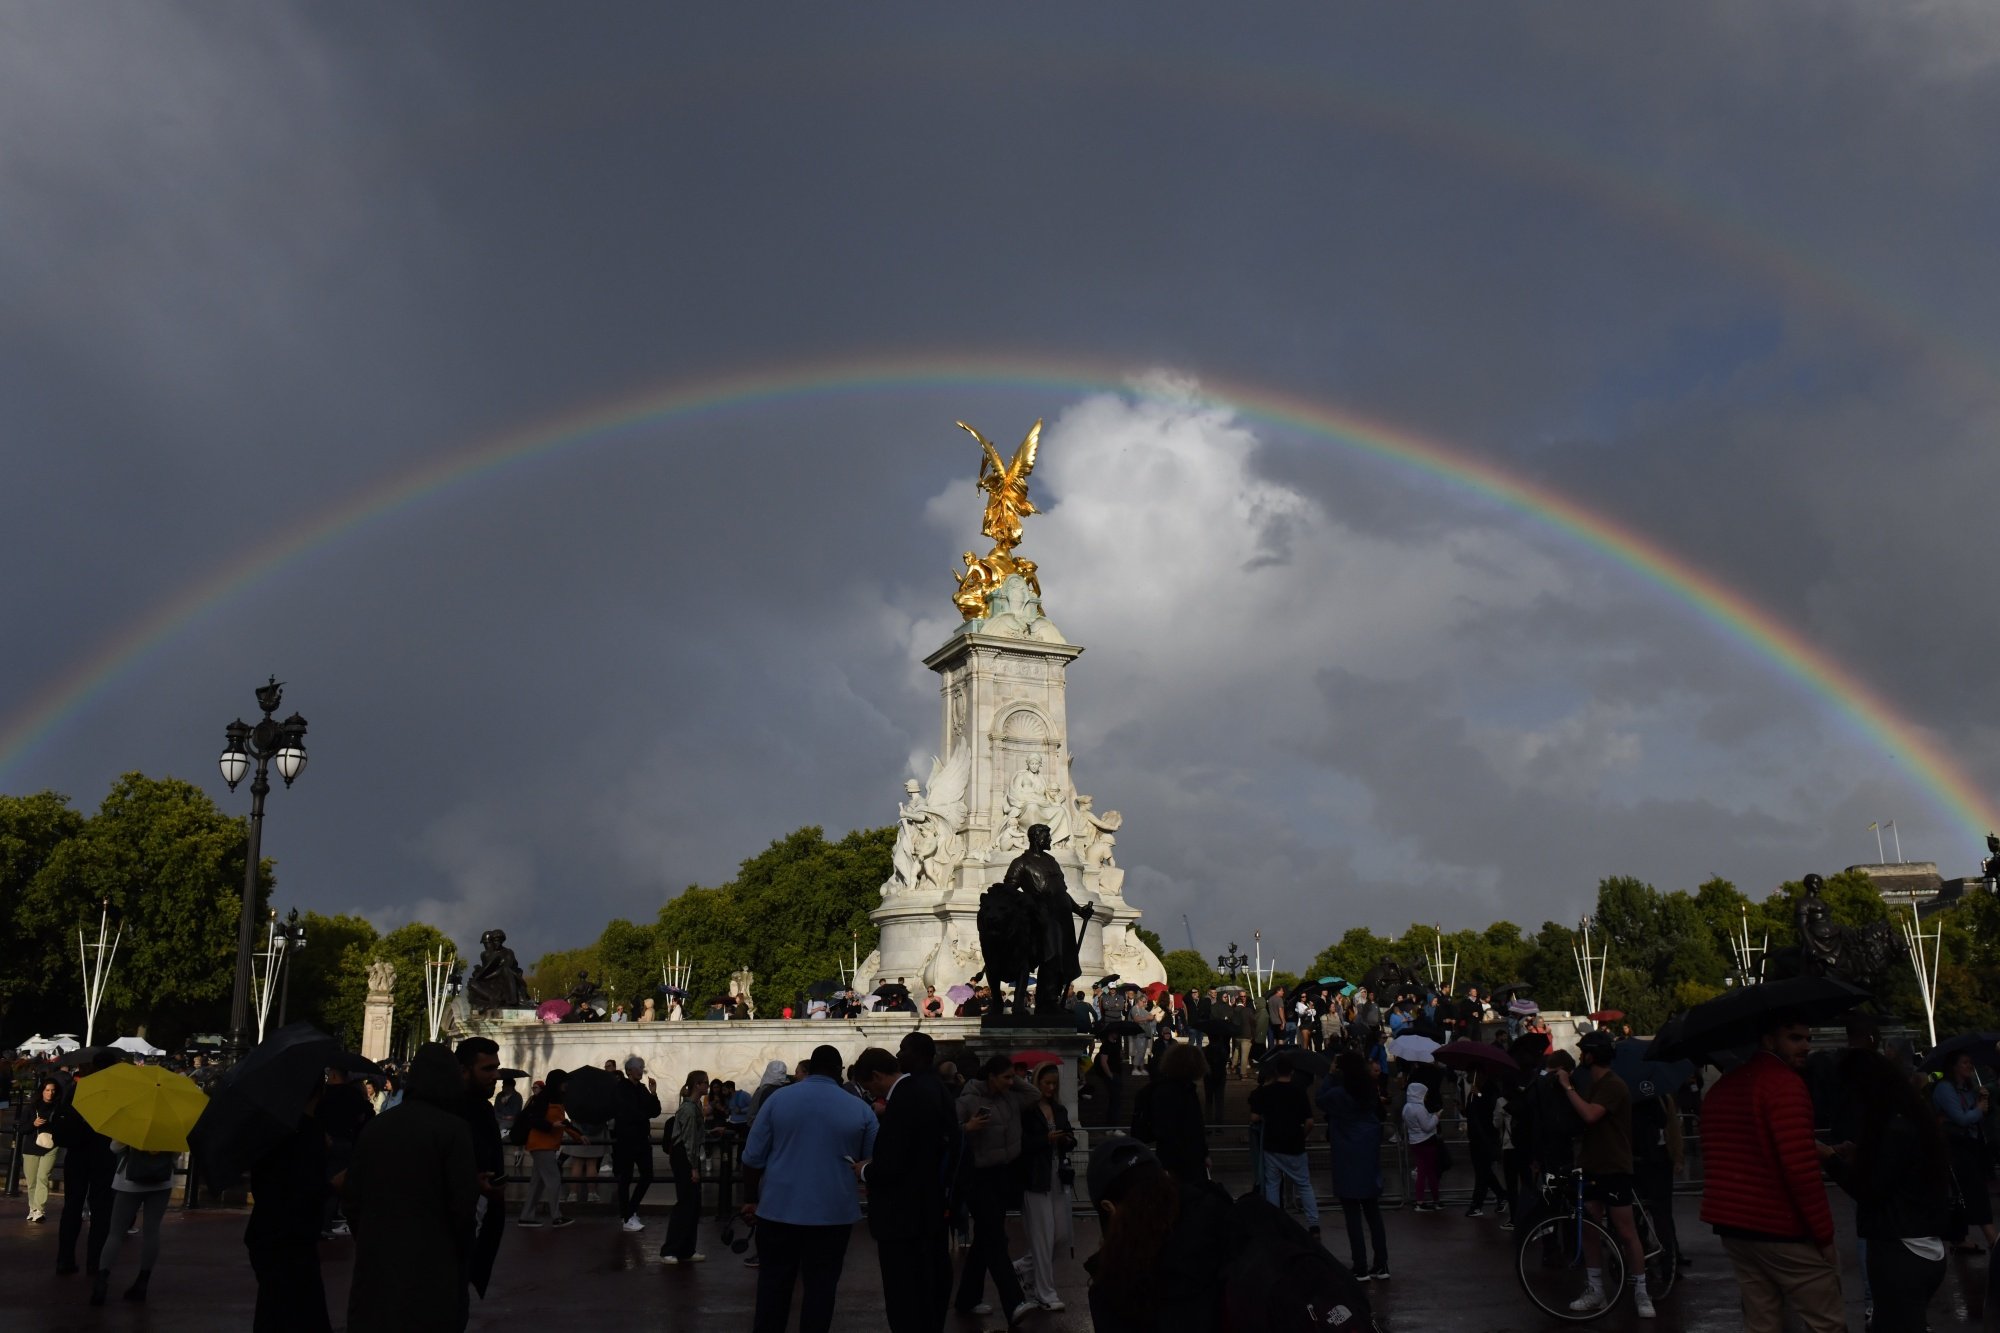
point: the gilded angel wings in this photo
(1006, 486)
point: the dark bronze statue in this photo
(1025, 927)
(1858, 954)
(1389, 981)
(497, 983)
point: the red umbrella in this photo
(1036, 1059)
(1607, 1015)
(1156, 989)
(552, 1011)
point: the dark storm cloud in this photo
(1725, 274)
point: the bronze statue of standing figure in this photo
(1025, 927)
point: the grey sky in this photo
(1724, 275)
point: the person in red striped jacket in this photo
(1762, 1190)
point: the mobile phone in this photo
(845, 1158)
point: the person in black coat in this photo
(916, 1152)
(88, 1167)
(634, 1108)
(1166, 1114)
(479, 1066)
(288, 1188)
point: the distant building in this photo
(1917, 882)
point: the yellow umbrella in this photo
(141, 1105)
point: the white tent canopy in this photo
(60, 1044)
(137, 1046)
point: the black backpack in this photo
(1280, 1278)
(149, 1168)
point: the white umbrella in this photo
(60, 1044)
(137, 1046)
(1417, 1050)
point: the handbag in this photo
(45, 1141)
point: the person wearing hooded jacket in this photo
(1353, 1109)
(1420, 1127)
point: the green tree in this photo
(32, 947)
(794, 913)
(329, 975)
(408, 947)
(1151, 939)
(554, 974)
(171, 865)
(628, 961)
(1187, 969)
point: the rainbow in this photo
(1763, 634)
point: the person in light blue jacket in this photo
(806, 1145)
(1961, 1104)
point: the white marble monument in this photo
(1004, 767)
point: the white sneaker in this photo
(633, 1224)
(1026, 1307)
(982, 1308)
(670, 1260)
(1054, 1307)
(697, 1258)
(1642, 1300)
(1590, 1300)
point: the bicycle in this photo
(1550, 1259)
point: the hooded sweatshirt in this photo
(1419, 1122)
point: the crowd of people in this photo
(413, 1164)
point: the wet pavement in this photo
(1451, 1273)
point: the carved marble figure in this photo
(381, 977)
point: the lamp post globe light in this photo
(249, 749)
(1231, 964)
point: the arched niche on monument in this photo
(1023, 731)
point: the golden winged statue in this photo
(1007, 503)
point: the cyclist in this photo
(1606, 1159)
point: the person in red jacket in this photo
(1762, 1190)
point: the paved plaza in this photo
(1452, 1275)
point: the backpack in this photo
(149, 1168)
(1279, 1278)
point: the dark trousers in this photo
(291, 1298)
(1483, 1180)
(986, 1199)
(1903, 1285)
(1355, 1210)
(1653, 1182)
(1510, 1172)
(916, 1280)
(788, 1254)
(628, 1163)
(85, 1182)
(686, 1217)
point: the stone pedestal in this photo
(1004, 765)
(377, 1018)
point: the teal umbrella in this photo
(1333, 981)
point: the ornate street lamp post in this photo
(246, 745)
(1232, 963)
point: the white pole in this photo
(1926, 968)
(95, 976)
(1899, 841)
(262, 995)
(1879, 857)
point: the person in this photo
(140, 1184)
(1353, 1108)
(288, 1189)
(1243, 1026)
(1166, 1114)
(1165, 1243)
(1482, 1141)
(479, 1069)
(1656, 1159)
(543, 1128)
(1148, 1019)
(1047, 1139)
(1761, 1187)
(1606, 1159)
(412, 1190)
(807, 1148)
(1898, 1170)
(1961, 1105)
(989, 1113)
(88, 1167)
(933, 1003)
(343, 1112)
(917, 1145)
(1215, 1080)
(683, 1139)
(1280, 1108)
(635, 1107)
(507, 1104)
(38, 1145)
(1420, 1130)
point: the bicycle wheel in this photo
(1550, 1264)
(1660, 1269)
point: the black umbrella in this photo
(258, 1100)
(890, 990)
(1983, 1047)
(1743, 1015)
(86, 1056)
(512, 1073)
(1501, 994)
(590, 1095)
(347, 1062)
(1297, 1057)
(824, 990)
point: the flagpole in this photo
(1877, 830)
(1898, 833)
